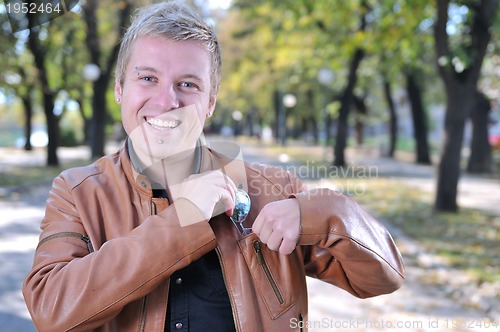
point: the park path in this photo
(433, 298)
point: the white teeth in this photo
(163, 124)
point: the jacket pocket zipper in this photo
(84, 238)
(143, 313)
(262, 262)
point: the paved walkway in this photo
(422, 304)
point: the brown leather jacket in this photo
(107, 250)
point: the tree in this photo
(105, 61)
(419, 116)
(18, 75)
(459, 65)
(40, 52)
(393, 117)
(480, 160)
(402, 39)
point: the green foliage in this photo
(282, 45)
(68, 137)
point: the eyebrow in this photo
(192, 76)
(145, 68)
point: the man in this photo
(142, 240)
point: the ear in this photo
(211, 106)
(118, 92)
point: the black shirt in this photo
(198, 299)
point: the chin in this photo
(170, 149)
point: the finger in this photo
(274, 241)
(265, 233)
(230, 182)
(257, 225)
(231, 187)
(228, 201)
(287, 246)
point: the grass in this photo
(25, 175)
(469, 240)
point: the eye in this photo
(148, 78)
(188, 85)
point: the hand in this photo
(278, 225)
(212, 192)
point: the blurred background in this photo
(394, 102)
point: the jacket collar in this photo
(226, 156)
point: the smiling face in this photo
(165, 96)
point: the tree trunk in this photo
(280, 117)
(359, 125)
(461, 87)
(393, 118)
(480, 160)
(449, 166)
(99, 112)
(345, 106)
(347, 96)
(315, 130)
(86, 121)
(28, 115)
(99, 119)
(312, 118)
(419, 120)
(328, 128)
(48, 96)
(52, 129)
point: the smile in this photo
(157, 123)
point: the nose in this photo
(167, 98)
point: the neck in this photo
(167, 171)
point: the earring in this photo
(117, 100)
(209, 114)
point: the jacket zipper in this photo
(262, 262)
(152, 211)
(84, 238)
(217, 250)
(152, 208)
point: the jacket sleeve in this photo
(344, 245)
(70, 288)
